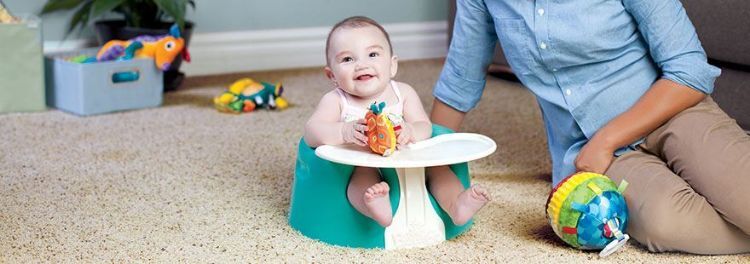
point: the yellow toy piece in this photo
(226, 98)
(281, 103)
(563, 191)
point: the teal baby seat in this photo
(319, 208)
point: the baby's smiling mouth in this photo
(364, 77)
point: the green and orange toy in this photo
(245, 95)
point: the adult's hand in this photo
(595, 156)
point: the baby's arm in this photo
(324, 127)
(414, 115)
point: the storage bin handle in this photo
(125, 76)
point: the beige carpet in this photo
(184, 182)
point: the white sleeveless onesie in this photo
(395, 112)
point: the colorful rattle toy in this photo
(163, 49)
(381, 134)
(246, 94)
(588, 211)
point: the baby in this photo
(361, 65)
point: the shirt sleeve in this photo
(462, 80)
(673, 43)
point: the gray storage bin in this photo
(102, 87)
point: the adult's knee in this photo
(681, 221)
(656, 226)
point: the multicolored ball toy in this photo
(587, 211)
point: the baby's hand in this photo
(354, 132)
(405, 135)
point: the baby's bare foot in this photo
(378, 202)
(468, 203)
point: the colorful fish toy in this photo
(587, 211)
(163, 49)
(381, 133)
(245, 95)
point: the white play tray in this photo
(440, 150)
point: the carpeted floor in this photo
(186, 183)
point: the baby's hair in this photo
(356, 22)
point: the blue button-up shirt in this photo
(587, 61)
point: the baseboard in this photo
(242, 51)
(52, 47)
(228, 52)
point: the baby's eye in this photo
(374, 54)
(347, 59)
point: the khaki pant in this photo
(690, 184)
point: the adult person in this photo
(623, 86)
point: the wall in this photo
(230, 34)
(244, 15)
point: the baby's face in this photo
(360, 61)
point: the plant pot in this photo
(107, 30)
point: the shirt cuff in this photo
(459, 93)
(699, 76)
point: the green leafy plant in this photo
(137, 13)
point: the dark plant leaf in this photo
(80, 18)
(137, 13)
(174, 9)
(103, 6)
(55, 5)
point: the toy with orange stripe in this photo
(587, 211)
(381, 133)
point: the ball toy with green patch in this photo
(587, 211)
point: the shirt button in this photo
(568, 92)
(540, 11)
(543, 45)
(554, 70)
